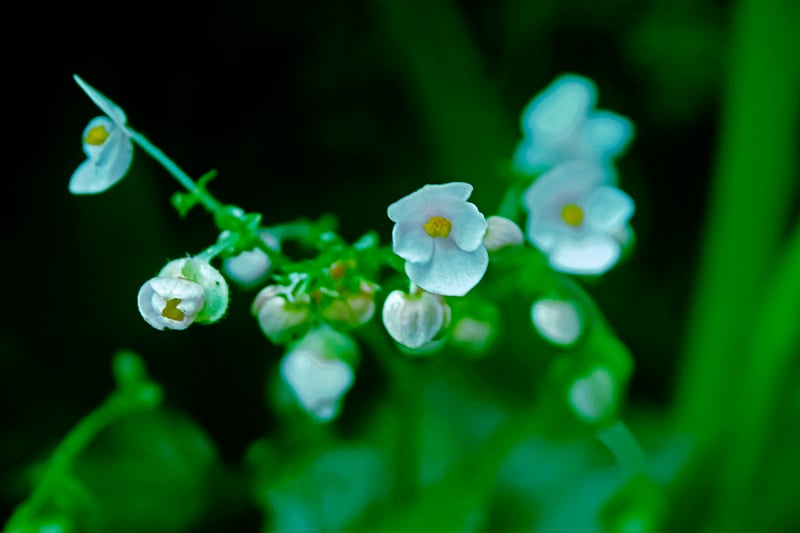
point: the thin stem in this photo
(625, 448)
(217, 248)
(208, 201)
(67, 451)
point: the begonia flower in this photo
(107, 145)
(185, 291)
(576, 218)
(440, 235)
(319, 371)
(561, 125)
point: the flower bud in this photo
(592, 397)
(280, 316)
(319, 371)
(476, 335)
(501, 232)
(414, 319)
(252, 267)
(557, 321)
(352, 309)
(184, 292)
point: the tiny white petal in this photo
(590, 255)
(592, 397)
(451, 271)
(410, 242)
(501, 232)
(411, 204)
(608, 209)
(557, 321)
(469, 226)
(107, 106)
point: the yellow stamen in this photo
(572, 215)
(438, 227)
(96, 136)
(171, 310)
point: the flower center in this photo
(96, 136)
(438, 227)
(572, 215)
(171, 310)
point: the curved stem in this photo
(625, 448)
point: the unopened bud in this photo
(352, 309)
(281, 319)
(251, 267)
(592, 397)
(501, 232)
(414, 319)
(558, 321)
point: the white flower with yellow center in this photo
(561, 125)
(107, 145)
(577, 219)
(440, 235)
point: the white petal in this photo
(409, 207)
(451, 271)
(565, 183)
(410, 242)
(608, 133)
(105, 166)
(557, 321)
(413, 320)
(318, 382)
(608, 209)
(593, 254)
(469, 226)
(592, 397)
(530, 157)
(107, 106)
(560, 109)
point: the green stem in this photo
(625, 448)
(208, 201)
(750, 201)
(65, 454)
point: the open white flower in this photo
(440, 235)
(185, 291)
(107, 145)
(318, 370)
(560, 125)
(575, 218)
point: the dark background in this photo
(307, 108)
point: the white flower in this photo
(575, 218)
(560, 125)
(281, 315)
(557, 321)
(184, 292)
(440, 235)
(318, 370)
(413, 320)
(251, 267)
(107, 145)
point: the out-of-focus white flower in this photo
(575, 218)
(592, 397)
(560, 125)
(107, 145)
(185, 291)
(351, 309)
(500, 233)
(558, 321)
(473, 334)
(281, 314)
(440, 235)
(251, 267)
(413, 320)
(319, 371)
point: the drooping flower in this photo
(577, 219)
(440, 235)
(185, 291)
(413, 320)
(251, 267)
(107, 145)
(319, 371)
(561, 125)
(282, 314)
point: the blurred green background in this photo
(307, 108)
